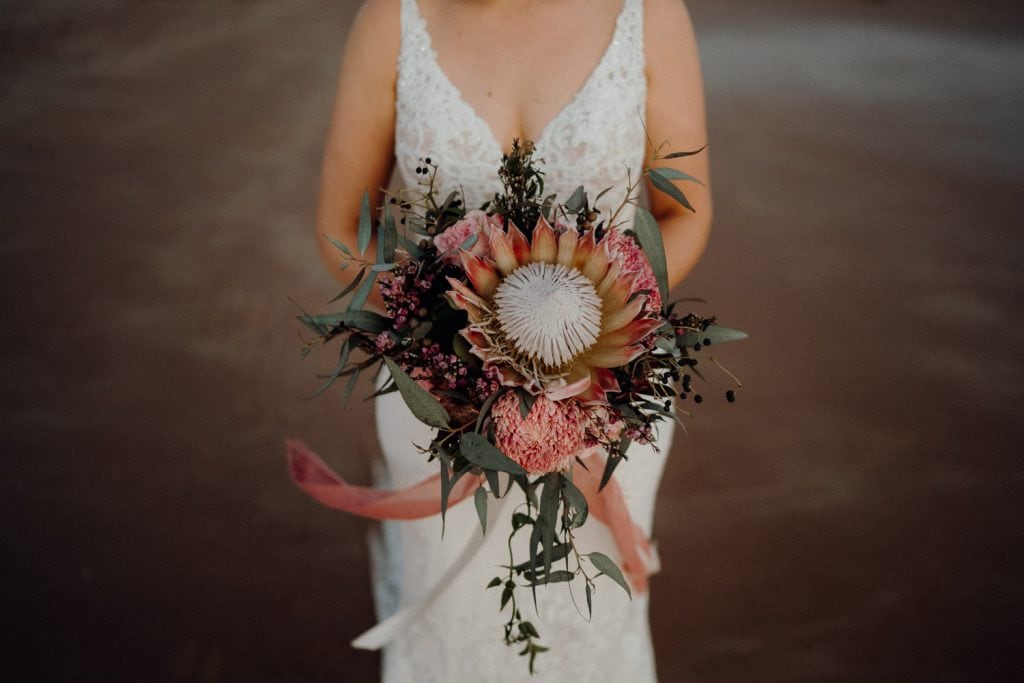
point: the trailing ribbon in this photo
(608, 505)
(317, 479)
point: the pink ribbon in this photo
(317, 479)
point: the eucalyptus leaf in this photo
(350, 286)
(365, 227)
(425, 407)
(520, 519)
(605, 565)
(495, 582)
(528, 629)
(492, 481)
(486, 407)
(715, 333)
(601, 194)
(649, 234)
(548, 515)
(468, 243)
(590, 601)
(350, 387)
(362, 293)
(526, 400)
(482, 453)
(674, 174)
(340, 246)
(576, 200)
(446, 484)
(346, 348)
(480, 501)
(368, 321)
(559, 576)
(665, 185)
(609, 468)
(383, 267)
(677, 155)
(412, 247)
(576, 501)
(388, 236)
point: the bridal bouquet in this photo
(532, 334)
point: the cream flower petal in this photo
(567, 246)
(544, 249)
(481, 274)
(520, 245)
(623, 316)
(502, 253)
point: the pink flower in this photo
(635, 262)
(547, 440)
(475, 222)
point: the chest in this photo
(518, 65)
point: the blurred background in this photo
(855, 516)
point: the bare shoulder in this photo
(378, 14)
(376, 30)
(667, 26)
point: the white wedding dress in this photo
(455, 631)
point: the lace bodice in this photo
(458, 635)
(600, 130)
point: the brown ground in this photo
(855, 516)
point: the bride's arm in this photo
(675, 113)
(359, 152)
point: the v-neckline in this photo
(558, 115)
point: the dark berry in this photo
(697, 398)
(427, 160)
(730, 396)
(696, 347)
(707, 342)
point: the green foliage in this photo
(482, 453)
(649, 234)
(606, 566)
(423, 405)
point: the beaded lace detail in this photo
(590, 142)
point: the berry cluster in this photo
(404, 293)
(447, 372)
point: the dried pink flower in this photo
(475, 222)
(547, 440)
(635, 262)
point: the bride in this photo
(456, 81)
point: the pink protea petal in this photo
(596, 266)
(466, 299)
(631, 333)
(617, 295)
(567, 246)
(502, 253)
(575, 383)
(520, 245)
(623, 316)
(609, 279)
(547, 440)
(483, 276)
(605, 378)
(613, 357)
(585, 247)
(545, 248)
(594, 393)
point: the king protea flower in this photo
(554, 315)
